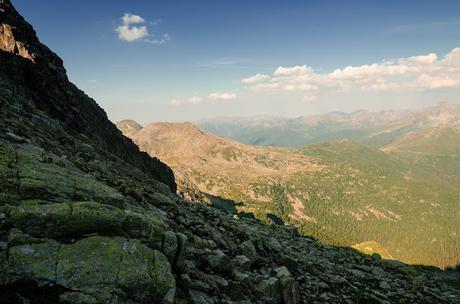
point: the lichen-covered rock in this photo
(269, 290)
(39, 179)
(33, 262)
(289, 290)
(98, 266)
(57, 220)
(241, 261)
(219, 261)
(179, 262)
(76, 298)
(249, 250)
(16, 237)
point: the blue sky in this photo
(186, 60)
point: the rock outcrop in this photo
(87, 218)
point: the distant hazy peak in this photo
(185, 131)
(174, 126)
(128, 127)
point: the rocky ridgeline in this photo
(87, 218)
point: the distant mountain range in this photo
(373, 128)
(402, 197)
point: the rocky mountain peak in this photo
(18, 37)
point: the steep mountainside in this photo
(373, 128)
(434, 150)
(434, 141)
(343, 193)
(87, 218)
(27, 62)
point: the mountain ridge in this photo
(375, 128)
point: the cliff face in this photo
(36, 71)
(86, 218)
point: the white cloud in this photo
(430, 58)
(222, 96)
(165, 38)
(365, 71)
(254, 79)
(423, 72)
(265, 86)
(194, 100)
(176, 102)
(434, 82)
(295, 70)
(191, 101)
(131, 33)
(131, 19)
(134, 28)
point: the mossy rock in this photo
(36, 219)
(74, 219)
(76, 298)
(8, 178)
(3, 267)
(43, 180)
(16, 237)
(144, 224)
(35, 262)
(102, 268)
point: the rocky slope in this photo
(86, 218)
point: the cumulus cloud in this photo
(191, 101)
(434, 82)
(255, 79)
(222, 96)
(131, 33)
(195, 100)
(131, 19)
(134, 28)
(295, 70)
(421, 72)
(430, 58)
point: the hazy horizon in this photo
(274, 116)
